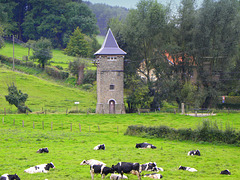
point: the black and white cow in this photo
(117, 177)
(99, 147)
(126, 167)
(194, 152)
(43, 150)
(151, 166)
(92, 162)
(100, 169)
(153, 176)
(187, 169)
(42, 168)
(9, 177)
(145, 145)
(227, 172)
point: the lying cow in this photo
(145, 145)
(43, 150)
(194, 152)
(187, 169)
(227, 172)
(150, 167)
(9, 177)
(117, 177)
(92, 162)
(42, 168)
(100, 169)
(99, 147)
(153, 176)
(126, 167)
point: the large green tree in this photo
(42, 51)
(77, 45)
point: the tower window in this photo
(111, 87)
(112, 58)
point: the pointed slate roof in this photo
(110, 46)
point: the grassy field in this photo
(68, 148)
(44, 95)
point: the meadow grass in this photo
(44, 95)
(68, 148)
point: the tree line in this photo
(173, 49)
(53, 19)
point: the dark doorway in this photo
(112, 107)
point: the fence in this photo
(63, 126)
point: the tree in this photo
(29, 44)
(77, 67)
(77, 45)
(42, 51)
(17, 98)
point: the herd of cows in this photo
(121, 168)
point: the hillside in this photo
(44, 95)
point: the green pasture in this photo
(44, 95)
(71, 139)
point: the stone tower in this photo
(110, 68)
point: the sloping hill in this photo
(44, 95)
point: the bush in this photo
(206, 132)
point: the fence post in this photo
(43, 124)
(182, 106)
(22, 123)
(80, 127)
(3, 120)
(98, 129)
(71, 126)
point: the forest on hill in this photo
(191, 57)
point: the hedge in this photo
(51, 71)
(207, 132)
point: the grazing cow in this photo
(100, 169)
(40, 168)
(92, 162)
(194, 152)
(145, 145)
(43, 150)
(227, 172)
(99, 147)
(9, 177)
(153, 176)
(117, 177)
(126, 167)
(150, 167)
(187, 169)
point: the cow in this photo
(99, 147)
(227, 172)
(92, 162)
(43, 150)
(187, 169)
(194, 152)
(126, 167)
(145, 145)
(150, 167)
(153, 176)
(42, 168)
(117, 177)
(9, 177)
(100, 169)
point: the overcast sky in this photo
(132, 3)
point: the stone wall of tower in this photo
(110, 74)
